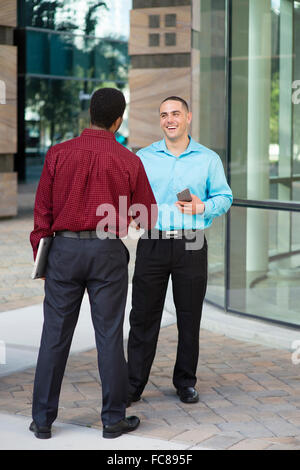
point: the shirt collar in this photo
(192, 147)
(98, 133)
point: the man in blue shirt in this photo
(173, 164)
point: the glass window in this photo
(154, 40)
(170, 20)
(255, 270)
(210, 49)
(296, 101)
(264, 131)
(80, 16)
(209, 124)
(67, 48)
(57, 110)
(103, 19)
(264, 263)
(170, 39)
(215, 236)
(66, 55)
(154, 21)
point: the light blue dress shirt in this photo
(197, 168)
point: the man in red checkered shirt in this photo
(84, 199)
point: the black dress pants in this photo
(156, 260)
(74, 265)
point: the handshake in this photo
(187, 203)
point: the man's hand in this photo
(133, 224)
(196, 206)
(43, 278)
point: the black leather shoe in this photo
(41, 432)
(125, 425)
(188, 395)
(131, 399)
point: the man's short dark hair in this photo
(107, 105)
(176, 98)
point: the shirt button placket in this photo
(175, 179)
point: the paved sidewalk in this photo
(249, 392)
(249, 396)
(15, 436)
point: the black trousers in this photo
(156, 260)
(74, 265)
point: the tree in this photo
(274, 119)
(41, 13)
(90, 19)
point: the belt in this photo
(153, 234)
(168, 234)
(81, 235)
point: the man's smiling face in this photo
(174, 119)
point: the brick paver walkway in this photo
(249, 394)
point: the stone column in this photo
(285, 122)
(8, 109)
(259, 86)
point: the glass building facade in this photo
(64, 56)
(250, 114)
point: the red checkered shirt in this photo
(83, 173)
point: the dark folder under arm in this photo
(41, 259)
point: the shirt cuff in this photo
(209, 207)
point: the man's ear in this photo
(117, 124)
(190, 117)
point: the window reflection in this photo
(64, 58)
(296, 107)
(255, 271)
(264, 264)
(265, 137)
(56, 110)
(215, 236)
(81, 16)
(67, 55)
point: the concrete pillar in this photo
(259, 86)
(285, 122)
(8, 109)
